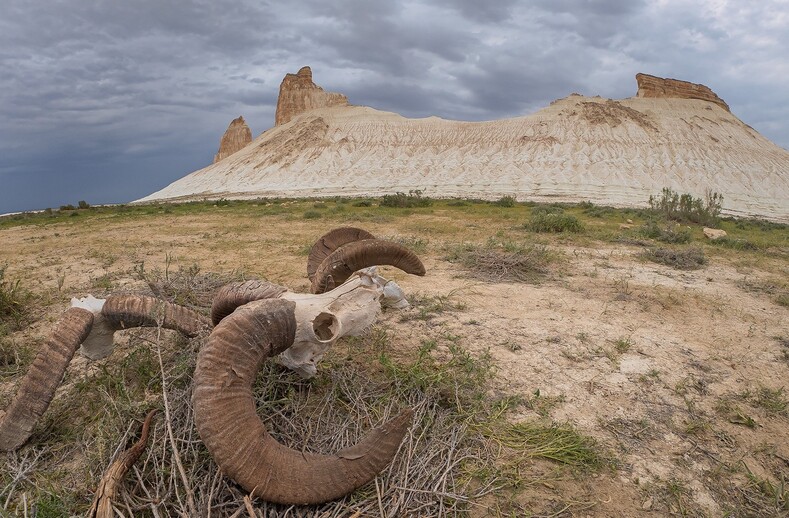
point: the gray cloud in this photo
(109, 101)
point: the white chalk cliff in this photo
(578, 148)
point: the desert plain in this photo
(551, 373)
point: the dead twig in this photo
(108, 486)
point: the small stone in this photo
(630, 221)
(625, 226)
(714, 233)
(647, 505)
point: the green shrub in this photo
(676, 207)
(82, 204)
(553, 219)
(505, 201)
(401, 200)
(312, 214)
(668, 234)
(67, 207)
(363, 203)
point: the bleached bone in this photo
(322, 319)
(347, 310)
(99, 343)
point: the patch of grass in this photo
(733, 413)
(402, 200)
(554, 220)
(14, 301)
(734, 244)
(543, 404)
(673, 234)
(623, 345)
(505, 201)
(778, 289)
(312, 214)
(557, 442)
(682, 259)
(505, 261)
(14, 357)
(773, 401)
(429, 306)
(413, 243)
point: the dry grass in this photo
(502, 261)
(445, 466)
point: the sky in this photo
(110, 100)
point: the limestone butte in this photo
(237, 136)
(657, 87)
(298, 94)
(609, 152)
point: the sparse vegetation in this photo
(681, 259)
(553, 219)
(672, 234)
(401, 200)
(14, 301)
(505, 201)
(595, 320)
(504, 261)
(429, 306)
(684, 207)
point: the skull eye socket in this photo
(326, 327)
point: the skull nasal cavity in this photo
(326, 327)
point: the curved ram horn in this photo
(337, 267)
(237, 439)
(125, 311)
(43, 377)
(236, 294)
(330, 242)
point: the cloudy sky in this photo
(109, 100)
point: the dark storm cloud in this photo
(109, 101)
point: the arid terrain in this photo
(579, 148)
(582, 378)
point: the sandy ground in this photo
(652, 362)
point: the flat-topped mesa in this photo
(298, 94)
(237, 136)
(651, 86)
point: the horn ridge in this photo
(331, 241)
(126, 310)
(239, 442)
(361, 254)
(235, 294)
(38, 386)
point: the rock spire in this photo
(298, 94)
(237, 136)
